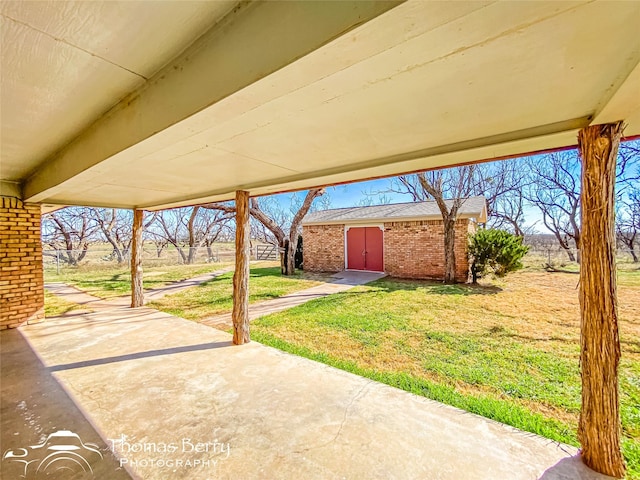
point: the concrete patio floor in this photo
(180, 402)
(33, 405)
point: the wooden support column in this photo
(599, 428)
(241, 274)
(137, 292)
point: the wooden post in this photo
(137, 292)
(599, 428)
(241, 274)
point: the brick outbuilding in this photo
(405, 240)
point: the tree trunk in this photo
(241, 275)
(183, 256)
(572, 257)
(284, 252)
(193, 250)
(599, 427)
(449, 251)
(137, 292)
(633, 255)
(83, 253)
(192, 255)
(291, 254)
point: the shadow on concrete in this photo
(137, 355)
(34, 406)
(571, 468)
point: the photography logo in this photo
(61, 455)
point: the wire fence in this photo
(104, 258)
(557, 256)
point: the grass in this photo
(507, 350)
(216, 296)
(54, 305)
(113, 281)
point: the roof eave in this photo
(478, 216)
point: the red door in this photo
(373, 248)
(355, 248)
(364, 249)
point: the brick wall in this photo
(21, 277)
(323, 248)
(416, 249)
(411, 249)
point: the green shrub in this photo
(495, 251)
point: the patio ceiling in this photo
(133, 105)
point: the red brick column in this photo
(21, 274)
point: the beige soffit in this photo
(278, 96)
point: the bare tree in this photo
(284, 229)
(173, 228)
(116, 227)
(214, 226)
(373, 197)
(628, 223)
(502, 184)
(69, 231)
(189, 228)
(628, 169)
(554, 188)
(456, 184)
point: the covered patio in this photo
(145, 377)
(226, 100)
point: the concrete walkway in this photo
(340, 282)
(75, 295)
(176, 287)
(179, 401)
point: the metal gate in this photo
(266, 252)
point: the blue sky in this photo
(351, 194)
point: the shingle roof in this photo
(472, 207)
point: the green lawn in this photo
(54, 305)
(216, 296)
(507, 350)
(108, 282)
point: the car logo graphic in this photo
(62, 451)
